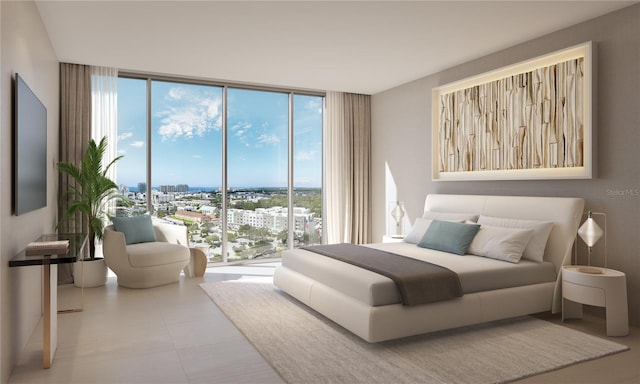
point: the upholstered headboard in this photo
(565, 212)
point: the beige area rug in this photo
(305, 347)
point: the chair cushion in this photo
(136, 229)
(156, 253)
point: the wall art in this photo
(531, 120)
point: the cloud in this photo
(240, 130)
(189, 115)
(125, 136)
(268, 139)
(196, 157)
(314, 105)
(306, 155)
(176, 93)
(137, 144)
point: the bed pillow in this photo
(541, 230)
(450, 216)
(419, 228)
(449, 237)
(417, 231)
(136, 229)
(500, 243)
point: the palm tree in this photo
(92, 191)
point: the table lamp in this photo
(398, 213)
(590, 232)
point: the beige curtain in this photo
(75, 133)
(348, 168)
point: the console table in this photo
(77, 243)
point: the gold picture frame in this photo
(527, 121)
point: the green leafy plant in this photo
(92, 191)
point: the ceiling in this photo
(350, 46)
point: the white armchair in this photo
(145, 265)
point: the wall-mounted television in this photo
(29, 150)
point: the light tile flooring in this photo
(175, 334)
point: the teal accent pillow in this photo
(136, 229)
(449, 237)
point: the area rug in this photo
(305, 347)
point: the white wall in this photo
(25, 49)
(401, 139)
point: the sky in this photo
(186, 137)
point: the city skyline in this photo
(186, 137)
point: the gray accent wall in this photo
(401, 141)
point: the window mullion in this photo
(149, 194)
(291, 218)
(223, 206)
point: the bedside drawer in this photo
(583, 294)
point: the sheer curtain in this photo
(104, 107)
(348, 168)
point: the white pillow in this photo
(541, 230)
(417, 231)
(420, 228)
(500, 243)
(450, 216)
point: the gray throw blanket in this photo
(419, 282)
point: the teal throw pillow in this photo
(136, 229)
(449, 237)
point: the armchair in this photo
(149, 264)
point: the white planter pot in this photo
(95, 273)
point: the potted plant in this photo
(89, 196)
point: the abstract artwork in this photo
(531, 120)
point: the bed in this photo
(369, 304)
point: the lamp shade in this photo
(590, 232)
(398, 212)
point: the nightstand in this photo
(392, 238)
(607, 289)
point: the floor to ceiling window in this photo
(307, 169)
(257, 163)
(240, 167)
(132, 143)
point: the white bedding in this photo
(476, 273)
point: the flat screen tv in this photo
(29, 150)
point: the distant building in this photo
(190, 216)
(182, 188)
(208, 210)
(142, 187)
(275, 219)
(161, 197)
(234, 217)
(167, 188)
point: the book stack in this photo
(53, 247)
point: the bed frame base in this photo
(375, 324)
